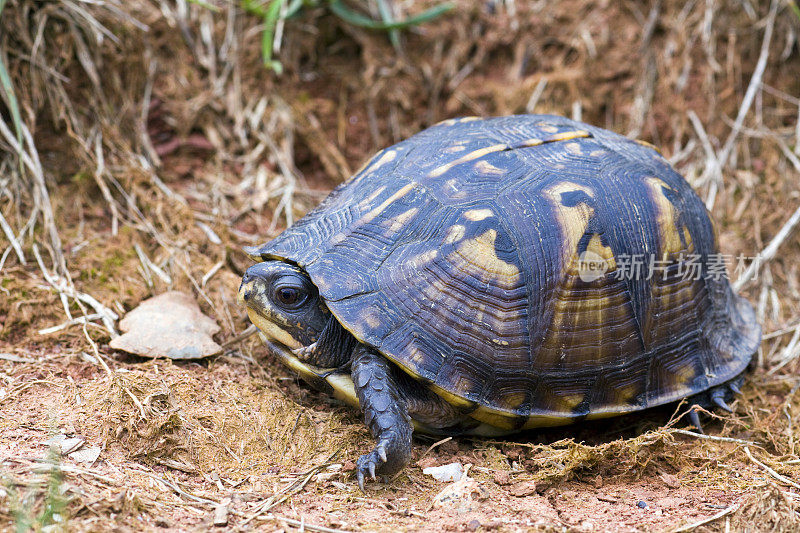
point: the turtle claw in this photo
(718, 399)
(719, 402)
(734, 387)
(368, 465)
(381, 449)
(304, 353)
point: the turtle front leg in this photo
(385, 413)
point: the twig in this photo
(536, 95)
(64, 288)
(780, 332)
(12, 239)
(16, 359)
(770, 251)
(180, 491)
(247, 333)
(302, 524)
(434, 445)
(69, 469)
(753, 86)
(773, 473)
(295, 487)
(724, 512)
(713, 165)
(210, 274)
(68, 323)
(713, 437)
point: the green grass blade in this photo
(356, 19)
(795, 8)
(11, 100)
(10, 95)
(388, 18)
(268, 35)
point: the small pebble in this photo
(473, 525)
(641, 504)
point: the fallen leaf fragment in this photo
(65, 445)
(87, 454)
(168, 325)
(446, 473)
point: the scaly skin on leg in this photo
(385, 413)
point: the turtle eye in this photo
(288, 295)
(291, 297)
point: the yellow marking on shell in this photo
(371, 318)
(684, 375)
(571, 401)
(572, 220)
(574, 148)
(597, 247)
(424, 258)
(688, 238)
(527, 143)
(507, 420)
(459, 402)
(397, 223)
(446, 122)
(500, 342)
(468, 119)
(549, 128)
(610, 413)
(567, 135)
(451, 189)
(366, 164)
(471, 156)
(477, 215)
(480, 254)
(336, 238)
(562, 187)
(670, 234)
(484, 167)
(387, 157)
(542, 421)
(367, 218)
(457, 147)
(513, 401)
(455, 233)
(597, 153)
(374, 194)
(272, 330)
(647, 145)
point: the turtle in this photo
(493, 275)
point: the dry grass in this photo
(153, 144)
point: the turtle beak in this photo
(254, 285)
(253, 295)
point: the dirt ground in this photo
(160, 144)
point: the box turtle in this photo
(487, 276)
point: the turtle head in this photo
(283, 303)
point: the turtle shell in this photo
(531, 270)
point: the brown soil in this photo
(232, 152)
